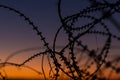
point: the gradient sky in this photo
(16, 34)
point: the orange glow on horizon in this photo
(14, 72)
(23, 72)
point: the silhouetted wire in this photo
(65, 59)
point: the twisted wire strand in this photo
(70, 65)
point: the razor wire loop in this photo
(74, 71)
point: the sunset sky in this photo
(16, 34)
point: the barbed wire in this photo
(85, 64)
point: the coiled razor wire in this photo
(77, 60)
